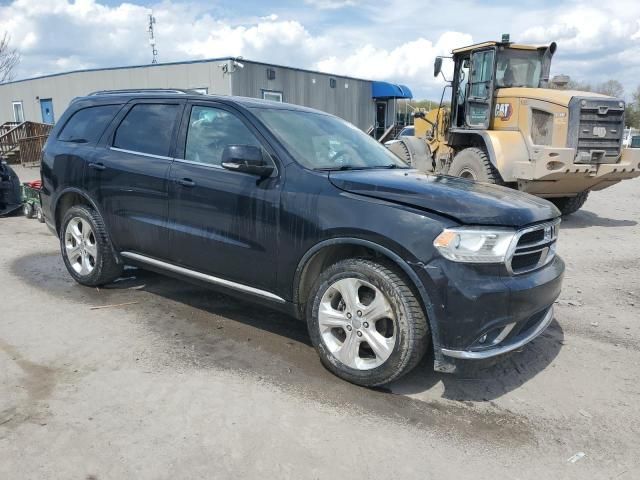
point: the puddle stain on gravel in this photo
(38, 381)
(204, 329)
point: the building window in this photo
(271, 95)
(271, 74)
(332, 82)
(18, 112)
(202, 91)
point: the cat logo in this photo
(503, 111)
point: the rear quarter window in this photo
(147, 128)
(88, 124)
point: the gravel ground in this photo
(185, 383)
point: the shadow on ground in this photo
(585, 219)
(474, 381)
(225, 332)
(201, 329)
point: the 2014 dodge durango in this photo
(302, 211)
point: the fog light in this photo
(483, 338)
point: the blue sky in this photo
(393, 40)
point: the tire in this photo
(401, 150)
(86, 249)
(569, 205)
(27, 210)
(474, 164)
(39, 214)
(397, 328)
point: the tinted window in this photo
(87, 125)
(210, 131)
(147, 128)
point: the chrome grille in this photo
(596, 127)
(533, 247)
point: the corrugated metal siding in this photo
(350, 99)
(63, 88)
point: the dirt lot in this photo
(186, 383)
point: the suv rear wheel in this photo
(366, 323)
(86, 249)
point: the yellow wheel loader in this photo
(505, 126)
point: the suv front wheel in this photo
(366, 322)
(86, 249)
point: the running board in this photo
(202, 276)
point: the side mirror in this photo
(437, 66)
(247, 159)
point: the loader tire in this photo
(473, 164)
(569, 205)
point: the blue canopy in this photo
(390, 90)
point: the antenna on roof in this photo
(152, 38)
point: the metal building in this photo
(370, 105)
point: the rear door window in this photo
(88, 124)
(147, 128)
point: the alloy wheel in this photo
(80, 246)
(357, 323)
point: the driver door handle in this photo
(186, 182)
(97, 166)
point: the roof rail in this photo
(180, 91)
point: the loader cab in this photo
(481, 69)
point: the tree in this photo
(9, 59)
(633, 110)
(613, 88)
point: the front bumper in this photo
(552, 172)
(480, 311)
(507, 343)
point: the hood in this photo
(560, 97)
(463, 200)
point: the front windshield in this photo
(519, 68)
(324, 142)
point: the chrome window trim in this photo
(203, 276)
(134, 152)
(202, 164)
(548, 242)
(219, 167)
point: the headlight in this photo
(474, 245)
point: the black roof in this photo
(105, 96)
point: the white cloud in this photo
(389, 41)
(331, 4)
(410, 63)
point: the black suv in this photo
(302, 211)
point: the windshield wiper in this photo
(341, 167)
